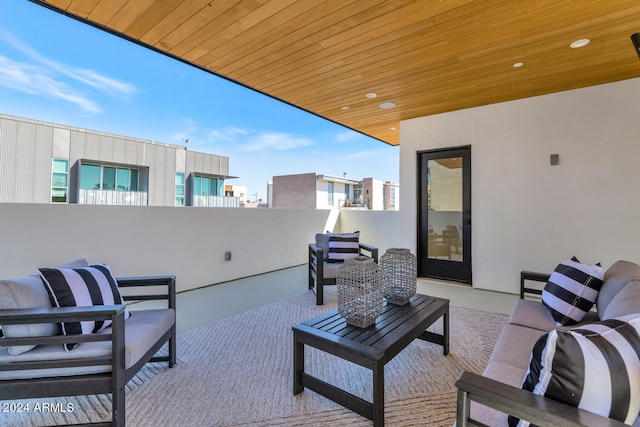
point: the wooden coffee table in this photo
(371, 347)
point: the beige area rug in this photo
(239, 372)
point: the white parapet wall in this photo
(188, 242)
(377, 228)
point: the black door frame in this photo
(438, 268)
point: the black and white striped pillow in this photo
(572, 290)
(82, 287)
(595, 367)
(343, 246)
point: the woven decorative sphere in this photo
(398, 271)
(360, 296)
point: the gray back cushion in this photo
(627, 301)
(28, 292)
(25, 292)
(615, 279)
(322, 240)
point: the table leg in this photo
(298, 366)
(445, 331)
(378, 395)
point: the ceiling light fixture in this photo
(371, 95)
(345, 108)
(387, 105)
(393, 128)
(518, 64)
(579, 43)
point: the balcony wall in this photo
(188, 242)
(377, 228)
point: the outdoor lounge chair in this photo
(33, 365)
(326, 256)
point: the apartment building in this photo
(313, 191)
(43, 162)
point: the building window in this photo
(206, 186)
(346, 192)
(179, 188)
(59, 181)
(357, 194)
(384, 198)
(393, 197)
(96, 177)
(209, 192)
(330, 193)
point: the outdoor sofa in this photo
(37, 366)
(566, 367)
(327, 254)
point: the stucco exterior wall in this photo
(527, 214)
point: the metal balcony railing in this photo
(112, 197)
(216, 201)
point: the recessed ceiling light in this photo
(345, 108)
(518, 64)
(387, 105)
(372, 95)
(580, 43)
(393, 128)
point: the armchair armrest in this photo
(149, 281)
(373, 251)
(115, 313)
(315, 248)
(534, 276)
(525, 405)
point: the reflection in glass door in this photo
(444, 232)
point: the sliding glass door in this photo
(444, 214)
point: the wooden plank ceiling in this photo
(425, 56)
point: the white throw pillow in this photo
(343, 246)
(593, 367)
(572, 290)
(82, 287)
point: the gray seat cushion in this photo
(514, 346)
(142, 330)
(330, 269)
(533, 314)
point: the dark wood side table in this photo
(371, 347)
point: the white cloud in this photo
(277, 141)
(43, 76)
(228, 134)
(33, 80)
(103, 83)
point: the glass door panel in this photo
(444, 202)
(444, 229)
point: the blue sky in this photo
(55, 69)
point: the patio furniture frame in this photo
(372, 347)
(538, 410)
(112, 382)
(317, 278)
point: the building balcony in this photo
(216, 201)
(112, 197)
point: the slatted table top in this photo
(393, 330)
